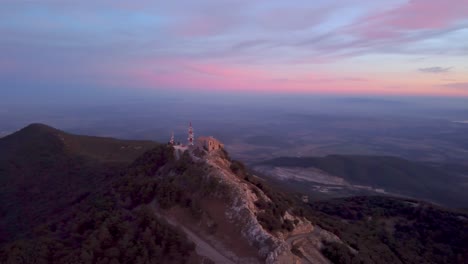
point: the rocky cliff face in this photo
(245, 203)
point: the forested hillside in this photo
(44, 170)
(91, 210)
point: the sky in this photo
(82, 49)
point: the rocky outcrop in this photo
(241, 208)
(240, 197)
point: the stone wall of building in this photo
(209, 143)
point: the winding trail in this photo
(201, 246)
(291, 239)
(307, 258)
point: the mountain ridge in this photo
(139, 211)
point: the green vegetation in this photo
(379, 229)
(391, 230)
(339, 253)
(79, 212)
(115, 223)
(44, 171)
(150, 179)
(113, 226)
(442, 184)
(80, 209)
(102, 233)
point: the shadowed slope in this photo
(43, 169)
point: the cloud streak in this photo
(226, 44)
(457, 86)
(435, 69)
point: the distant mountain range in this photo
(77, 199)
(441, 183)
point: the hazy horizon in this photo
(359, 76)
(256, 127)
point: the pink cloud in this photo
(222, 71)
(186, 74)
(192, 75)
(412, 16)
(423, 14)
(201, 26)
(202, 19)
(457, 85)
(293, 18)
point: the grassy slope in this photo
(391, 173)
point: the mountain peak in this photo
(39, 127)
(242, 207)
(33, 136)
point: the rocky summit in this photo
(239, 202)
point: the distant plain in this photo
(256, 128)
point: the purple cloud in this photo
(457, 85)
(96, 40)
(435, 69)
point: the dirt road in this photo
(201, 246)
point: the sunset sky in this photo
(388, 47)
